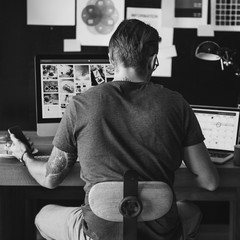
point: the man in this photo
(129, 123)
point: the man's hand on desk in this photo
(36, 168)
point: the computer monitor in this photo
(59, 78)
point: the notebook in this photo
(220, 126)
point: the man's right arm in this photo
(197, 160)
(51, 173)
(48, 174)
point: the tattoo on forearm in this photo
(58, 162)
(56, 165)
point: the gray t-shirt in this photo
(122, 125)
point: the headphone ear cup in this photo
(152, 62)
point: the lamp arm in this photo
(227, 56)
(236, 69)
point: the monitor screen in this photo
(220, 126)
(59, 78)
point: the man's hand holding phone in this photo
(20, 144)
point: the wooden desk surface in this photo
(12, 173)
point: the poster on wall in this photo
(97, 20)
(184, 13)
(225, 15)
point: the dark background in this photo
(200, 82)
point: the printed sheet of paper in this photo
(153, 17)
(184, 13)
(205, 31)
(97, 20)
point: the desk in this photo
(12, 173)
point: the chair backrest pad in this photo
(105, 197)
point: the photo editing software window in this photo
(63, 78)
(59, 78)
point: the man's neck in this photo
(128, 74)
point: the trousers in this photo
(55, 222)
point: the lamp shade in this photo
(208, 50)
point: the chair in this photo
(130, 202)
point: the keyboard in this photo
(220, 157)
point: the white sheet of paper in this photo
(72, 45)
(164, 69)
(167, 52)
(205, 31)
(52, 13)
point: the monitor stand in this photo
(47, 129)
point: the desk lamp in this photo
(211, 51)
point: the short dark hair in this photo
(133, 43)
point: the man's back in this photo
(123, 125)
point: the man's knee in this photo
(188, 210)
(191, 217)
(42, 215)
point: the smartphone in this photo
(16, 130)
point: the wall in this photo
(200, 82)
